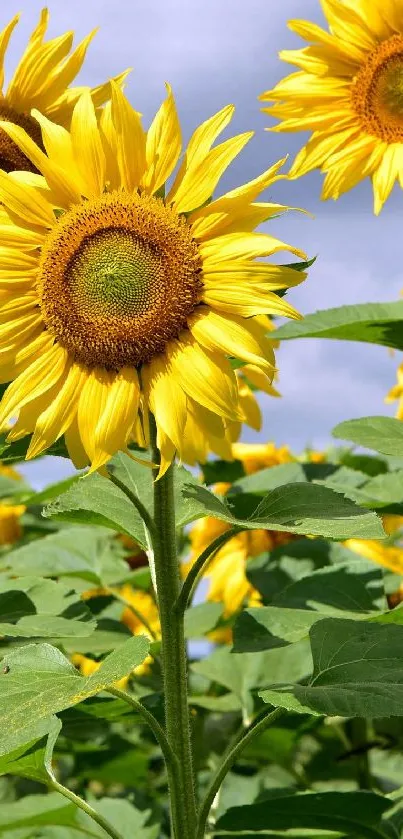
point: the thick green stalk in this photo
(174, 659)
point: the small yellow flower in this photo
(396, 393)
(102, 279)
(348, 91)
(257, 456)
(10, 514)
(10, 526)
(41, 80)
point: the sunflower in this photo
(116, 300)
(41, 80)
(349, 92)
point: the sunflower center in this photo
(118, 278)
(377, 92)
(11, 158)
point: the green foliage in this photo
(307, 649)
(383, 434)
(357, 812)
(373, 323)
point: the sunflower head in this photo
(116, 301)
(41, 80)
(349, 92)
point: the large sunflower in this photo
(115, 300)
(41, 80)
(349, 93)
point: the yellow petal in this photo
(106, 412)
(166, 398)
(204, 376)
(385, 175)
(236, 246)
(35, 68)
(200, 181)
(238, 338)
(250, 407)
(59, 413)
(22, 237)
(74, 445)
(247, 302)
(57, 177)
(317, 151)
(109, 140)
(87, 146)
(201, 141)
(163, 145)
(131, 142)
(64, 73)
(4, 41)
(25, 202)
(14, 361)
(58, 146)
(39, 377)
(259, 379)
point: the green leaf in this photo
(374, 323)
(33, 607)
(96, 500)
(215, 471)
(201, 619)
(383, 434)
(83, 552)
(33, 760)
(16, 452)
(272, 626)
(285, 473)
(355, 586)
(272, 573)
(242, 673)
(38, 681)
(53, 809)
(294, 508)
(358, 670)
(358, 813)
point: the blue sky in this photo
(219, 51)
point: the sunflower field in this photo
(201, 627)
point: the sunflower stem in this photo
(174, 658)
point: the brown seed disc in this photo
(118, 278)
(11, 158)
(377, 92)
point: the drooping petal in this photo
(25, 202)
(233, 336)
(39, 377)
(58, 416)
(106, 412)
(204, 376)
(166, 398)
